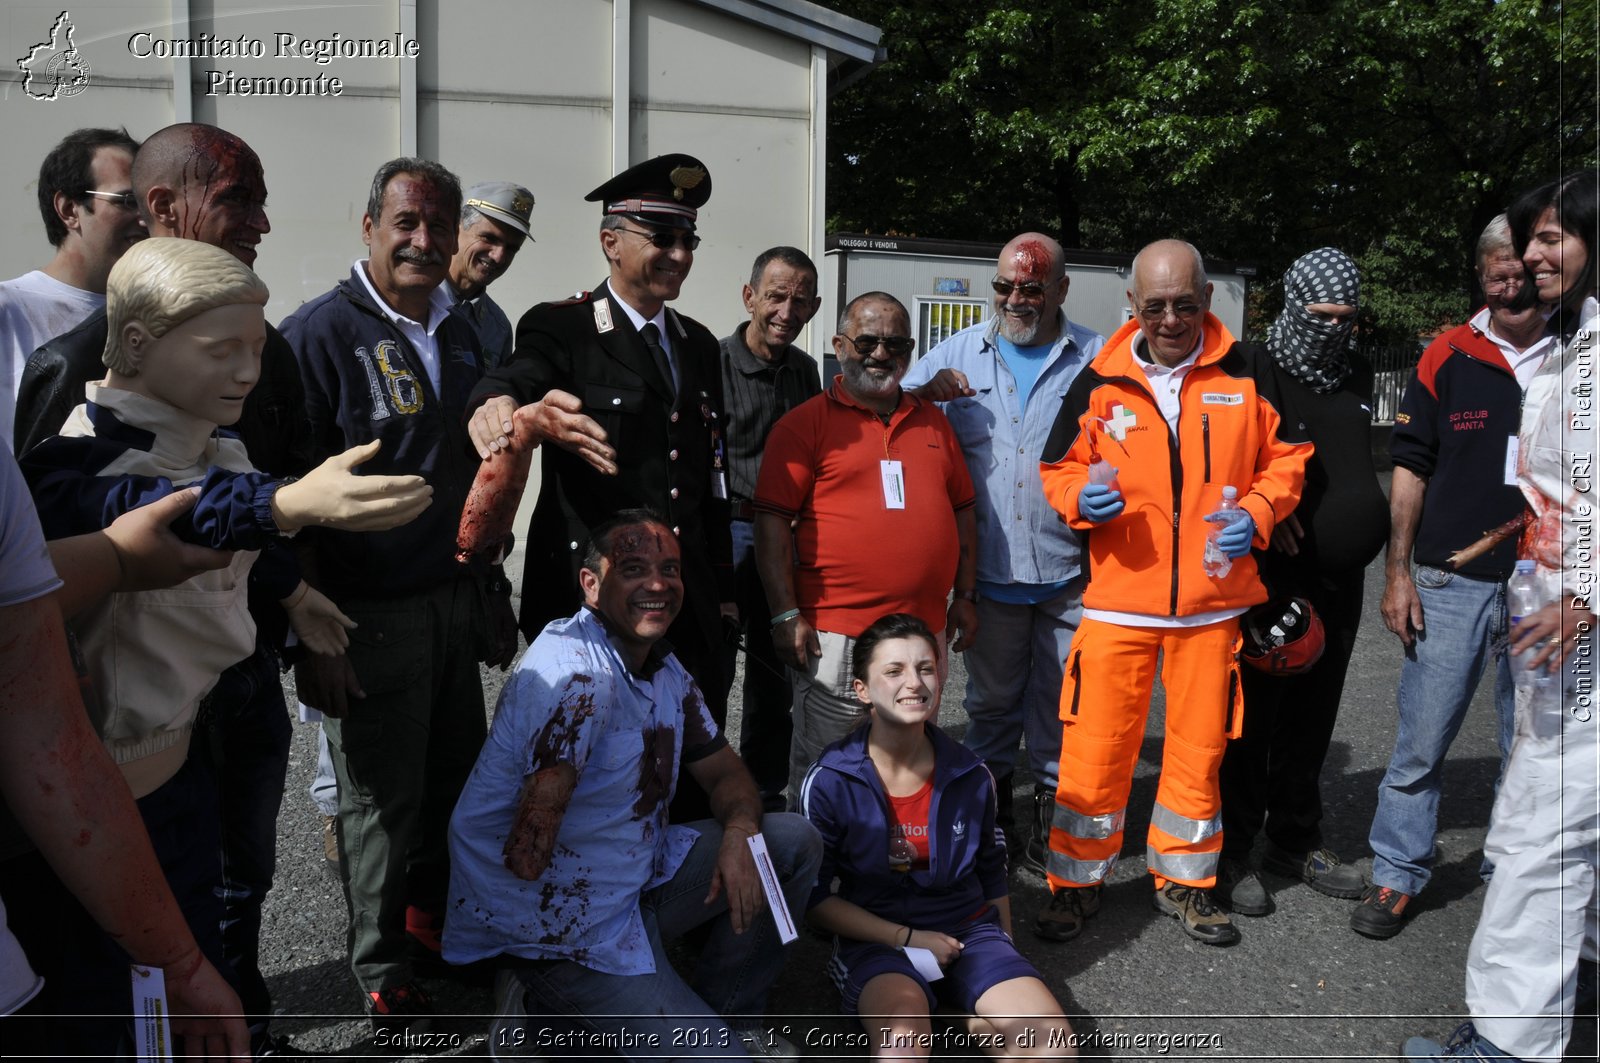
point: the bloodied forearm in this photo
(534, 827)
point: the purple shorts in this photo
(987, 958)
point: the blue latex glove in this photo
(1235, 538)
(1099, 503)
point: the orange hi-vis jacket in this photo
(1148, 558)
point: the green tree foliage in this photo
(1394, 129)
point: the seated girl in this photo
(907, 818)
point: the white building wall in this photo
(501, 89)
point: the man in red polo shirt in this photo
(863, 507)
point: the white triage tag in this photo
(769, 886)
(1512, 443)
(925, 962)
(894, 485)
(151, 1036)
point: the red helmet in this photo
(1283, 637)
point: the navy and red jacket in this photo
(1459, 414)
(845, 800)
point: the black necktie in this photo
(652, 340)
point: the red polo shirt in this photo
(857, 559)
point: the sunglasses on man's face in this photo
(665, 238)
(124, 200)
(897, 346)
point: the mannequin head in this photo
(184, 324)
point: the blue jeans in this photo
(1014, 681)
(1464, 626)
(733, 972)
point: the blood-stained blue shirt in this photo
(572, 700)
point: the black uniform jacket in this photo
(669, 458)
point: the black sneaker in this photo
(1036, 854)
(1381, 913)
(1240, 890)
(1321, 869)
(1196, 913)
(1069, 907)
(400, 1008)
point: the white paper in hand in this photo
(152, 1038)
(925, 962)
(769, 885)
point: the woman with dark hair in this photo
(921, 914)
(1522, 968)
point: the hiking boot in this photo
(1036, 854)
(1321, 869)
(1239, 889)
(1381, 913)
(400, 1008)
(1465, 1043)
(1196, 913)
(1069, 907)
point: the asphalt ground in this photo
(1299, 985)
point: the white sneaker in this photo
(510, 1024)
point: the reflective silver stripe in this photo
(1184, 867)
(1080, 826)
(1081, 871)
(1182, 827)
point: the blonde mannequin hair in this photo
(163, 282)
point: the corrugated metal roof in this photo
(847, 37)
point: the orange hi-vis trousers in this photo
(1105, 698)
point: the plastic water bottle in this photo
(1524, 598)
(1103, 472)
(1218, 564)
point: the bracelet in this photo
(907, 941)
(968, 596)
(785, 616)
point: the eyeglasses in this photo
(897, 346)
(125, 200)
(1028, 291)
(1500, 285)
(1159, 311)
(665, 238)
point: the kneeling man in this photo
(561, 855)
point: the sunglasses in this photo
(1028, 291)
(665, 238)
(897, 346)
(125, 200)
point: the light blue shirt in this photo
(1021, 540)
(573, 701)
(1024, 363)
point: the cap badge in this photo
(684, 178)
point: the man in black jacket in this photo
(631, 393)
(198, 182)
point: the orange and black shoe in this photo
(1381, 913)
(400, 1008)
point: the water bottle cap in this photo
(1525, 566)
(1230, 492)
